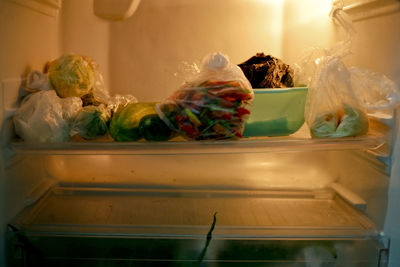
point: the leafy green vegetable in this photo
(71, 75)
(352, 122)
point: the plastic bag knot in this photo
(215, 61)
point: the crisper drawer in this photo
(148, 227)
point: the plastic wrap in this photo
(91, 122)
(44, 117)
(339, 98)
(119, 101)
(99, 93)
(214, 104)
(377, 93)
(37, 81)
(334, 110)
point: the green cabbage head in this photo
(71, 75)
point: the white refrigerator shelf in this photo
(163, 213)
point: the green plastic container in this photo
(276, 112)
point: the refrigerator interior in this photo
(289, 191)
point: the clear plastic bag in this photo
(44, 117)
(213, 104)
(339, 98)
(91, 122)
(377, 93)
(333, 109)
(99, 93)
(116, 101)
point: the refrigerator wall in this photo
(161, 36)
(29, 38)
(144, 56)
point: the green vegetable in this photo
(325, 124)
(154, 129)
(91, 122)
(193, 118)
(352, 122)
(124, 126)
(71, 75)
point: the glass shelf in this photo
(245, 145)
(299, 141)
(173, 213)
(106, 226)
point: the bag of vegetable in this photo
(334, 106)
(91, 122)
(212, 105)
(44, 117)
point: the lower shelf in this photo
(143, 227)
(189, 213)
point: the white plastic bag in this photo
(45, 118)
(70, 106)
(37, 81)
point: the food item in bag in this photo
(213, 105)
(349, 122)
(266, 71)
(71, 75)
(354, 122)
(154, 129)
(44, 117)
(325, 124)
(92, 122)
(333, 108)
(124, 124)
